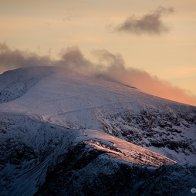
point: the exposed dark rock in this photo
(100, 174)
(15, 152)
(154, 128)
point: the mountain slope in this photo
(63, 133)
(28, 147)
(77, 101)
(43, 158)
(14, 84)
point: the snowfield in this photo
(63, 133)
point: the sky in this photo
(155, 36)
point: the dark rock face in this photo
(155, 128)
(86, 171)
(45, 159)
(15, 152)
(25, 148)
(171, 180)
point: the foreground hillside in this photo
(43, 158)
(62, 133)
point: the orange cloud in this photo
(142, 79)
(153, 85)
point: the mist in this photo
(107, 64)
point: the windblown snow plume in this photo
(109, 65)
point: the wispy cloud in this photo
(150, 23)
(109, 65)
(13, 58)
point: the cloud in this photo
(108, 65)
(73, 59)
(12, 58)
(150, 23)
(144, 81)
(106, 60)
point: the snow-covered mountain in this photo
(64, 133)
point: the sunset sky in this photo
(157, 36)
